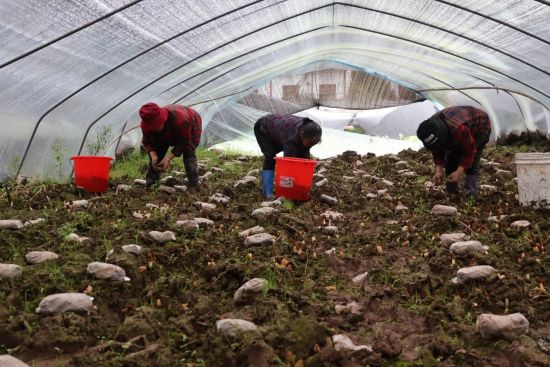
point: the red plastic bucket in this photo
(92, 173)
(294, 177)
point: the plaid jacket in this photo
(468, 128)
(182, 131)
(284, 130)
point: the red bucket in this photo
(92, 173)
(294, 177)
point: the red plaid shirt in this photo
(182, 131)
(468, 127)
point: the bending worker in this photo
(290, 134)
(456, 137)
(170, 126)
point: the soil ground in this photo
(165, 316)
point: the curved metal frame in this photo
(37, 125)
(311, 10)
(65, 35)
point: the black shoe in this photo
(192, 170)
(452, 188)
(471, 185)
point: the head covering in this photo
(152, 116)
(433, 133)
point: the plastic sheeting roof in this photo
(71, 68)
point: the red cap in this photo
(152, 116)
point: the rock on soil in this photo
(253, 172)
(168, 181)
(219, 198)
(386, 182)
(73, 237)
(140, 182)
(11, 224)
(10, 271)
(232, 327)
(504, 174)
(167, 189)
(479, 272)
(488, 187)
(162, 237)
(180, 188)
(9, 361)
(259, 239)
(246, 181)
(353, 308)
(321, 183)
(204, 222)
(360, 278)
(251, 231)
(206, 207)
(444, 210)
(263, 211)
(206, 176)
(328, 200)
(254, 285)
(495, 218)
(330, 215)
(34, 221)
(123, 187)
(37, 257)
(520, 224)
(188, 224)
(450, 238)
(271, 203)
(330, 229)
(132, 249)
(370, 195)
(400, 207)
(402, 164)
(497, 326)
(65, 302)
(342, 343)
(76, 204)
(107, 271)
(468, 247)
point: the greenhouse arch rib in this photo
(76, 30)
(345, 26)
(517, 29)
(311, 10)
(37, 125)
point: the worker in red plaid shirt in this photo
(456, 137)
(170, 126)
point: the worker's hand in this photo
(163, 165)
(438, 177)
(154, 157)
(455, 176)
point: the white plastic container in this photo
(533, 172)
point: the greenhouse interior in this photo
(274, 183)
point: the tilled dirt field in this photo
(403, 308)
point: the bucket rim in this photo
(293, 159)
(75, 157)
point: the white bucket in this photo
(533, 178)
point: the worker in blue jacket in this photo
(290, 134)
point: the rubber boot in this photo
(192, 170)
(151, 176)
(267, 183)
(452, 188)
(471, 185)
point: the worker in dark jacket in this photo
(456, 137)
(170, 126)
(290, 134)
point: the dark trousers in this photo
(267, 145)
(161, 151)
(452, 160)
